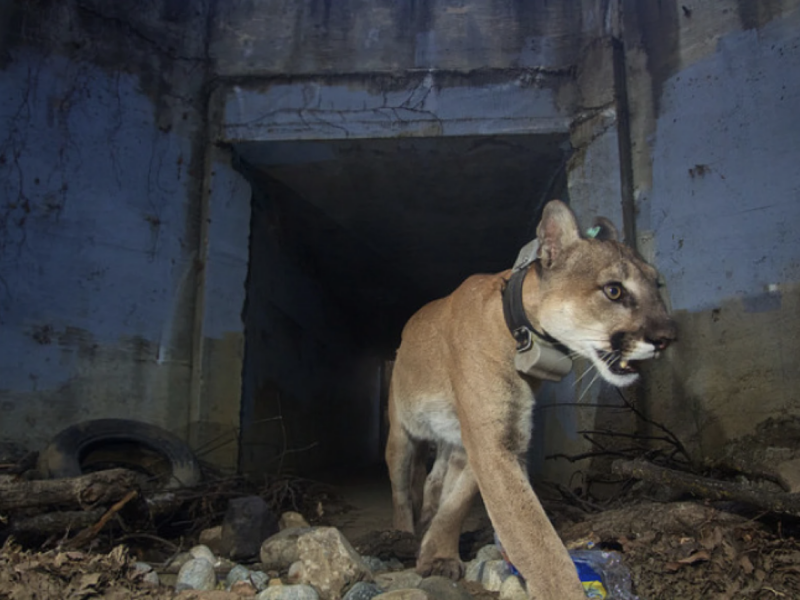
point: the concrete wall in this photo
(264, 37)
(102, 162)
(706, 161)
(714, 91)
(214, 400)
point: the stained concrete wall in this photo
(715, 89)
(594, 187)
(214, 400)
(102, 163)
(708, 170)
(263, 37)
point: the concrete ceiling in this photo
(387, 225)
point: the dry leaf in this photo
(712, 538)
(673, 566)
(89, 580)
(730, 550)
(746, 564)
(697, 556)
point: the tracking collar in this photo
(538, 353)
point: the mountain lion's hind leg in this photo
(438, 554)
(433, 489)
(405, 459)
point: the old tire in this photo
(168, 461)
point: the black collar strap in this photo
(513, 308)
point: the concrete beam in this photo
(419, 104)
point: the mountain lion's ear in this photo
(556, 232)
(604, 230)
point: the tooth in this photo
(623, 364)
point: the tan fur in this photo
(454, 385)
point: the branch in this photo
(576, 457)
(91, 489)
(91, 532)
(705, 487)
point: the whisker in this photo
(582, 375)
(572, 355)
(589, 386)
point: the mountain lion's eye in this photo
(613, 291)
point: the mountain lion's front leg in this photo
(528, 537)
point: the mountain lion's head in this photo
(598, 297)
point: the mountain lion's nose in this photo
(663, 334)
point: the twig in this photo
(91, 532)
(584, 504)
(635, 436)
(576, 457)
(150, 536)
(673, 439)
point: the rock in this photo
(330, 563)
(244, 588)
(212, 537)
(789, 474)
(404, 594)
(146, 573)
(142, 567)
(402, 545)
(374, 564)
(224, 564)
(474, 570)
(202, 551)
(297, 572)
(362, 591)
(289, 592)
(280, 550)
(180, 559)
(196, 574)
(206, 595)
(489, 552)
(444, 588)
(237, 573)
(259, 579)
(398, 580)
(394, 565)
(495, 572)
(248, 522)
(513, 589)
(291, 519)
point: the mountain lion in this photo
(455, 385)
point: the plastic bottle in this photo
(603, 574)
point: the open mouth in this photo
(618, 365)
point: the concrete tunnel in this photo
(379, 227)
